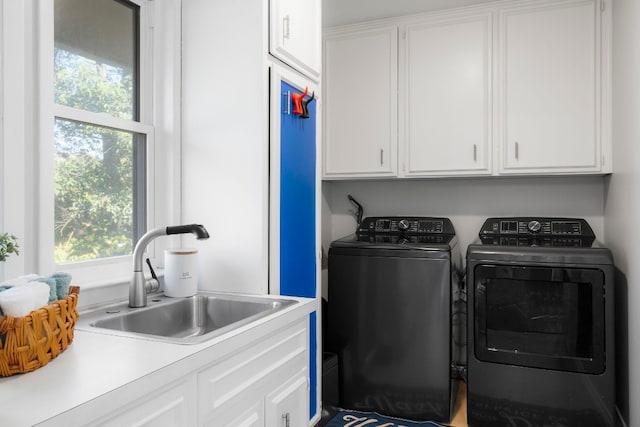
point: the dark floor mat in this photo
(346, 418)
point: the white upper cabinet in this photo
(518, 87)
(553, 95)
(446, 97)
(361, 99)
(295, 34)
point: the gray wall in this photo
(469, 201)
(622, 203)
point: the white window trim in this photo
(100, 119)
(28, 204)
(17, 125)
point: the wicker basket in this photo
(30, 342)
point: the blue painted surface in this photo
(313, 368)
(297, 202)
(298, 216)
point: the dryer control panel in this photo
(537, 226)
(537, 231)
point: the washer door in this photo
(541, 317)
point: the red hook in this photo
(297, 101)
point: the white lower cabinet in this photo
(288, 406)
(260, 385)
(260, 382)
(171, 406)
(243, 414)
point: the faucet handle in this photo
(153, 284)
(153, 273)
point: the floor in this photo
(460, 410)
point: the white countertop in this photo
(96, 364)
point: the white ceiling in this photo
(341, 12)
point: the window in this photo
(79, 80)
(133, 51)
(100, 143)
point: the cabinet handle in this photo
(285, 27)
(285, 418)
(475, 152)
(517, 150)
(287, 96)
(381, 157)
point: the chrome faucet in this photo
(139, 286)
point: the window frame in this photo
(104, 270)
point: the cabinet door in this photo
(550, 109)
(296, 34)
(288, 406)
(360, 114)
(239, 415)
(173, 406)
(252, 417)
(446, 97)
(236, 383)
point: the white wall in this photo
(469, 201)
(225, 140)
(622, 203)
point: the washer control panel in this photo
(406, 225)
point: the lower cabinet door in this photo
(173, 406)
(288, 406)
(236, 416)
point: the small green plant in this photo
(8, 245)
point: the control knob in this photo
(534, 226)
(403, 224)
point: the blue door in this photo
(298, 213)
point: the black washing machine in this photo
(394, 311)
(541, 325)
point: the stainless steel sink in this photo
(181, 320)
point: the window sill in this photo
(102, 292)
